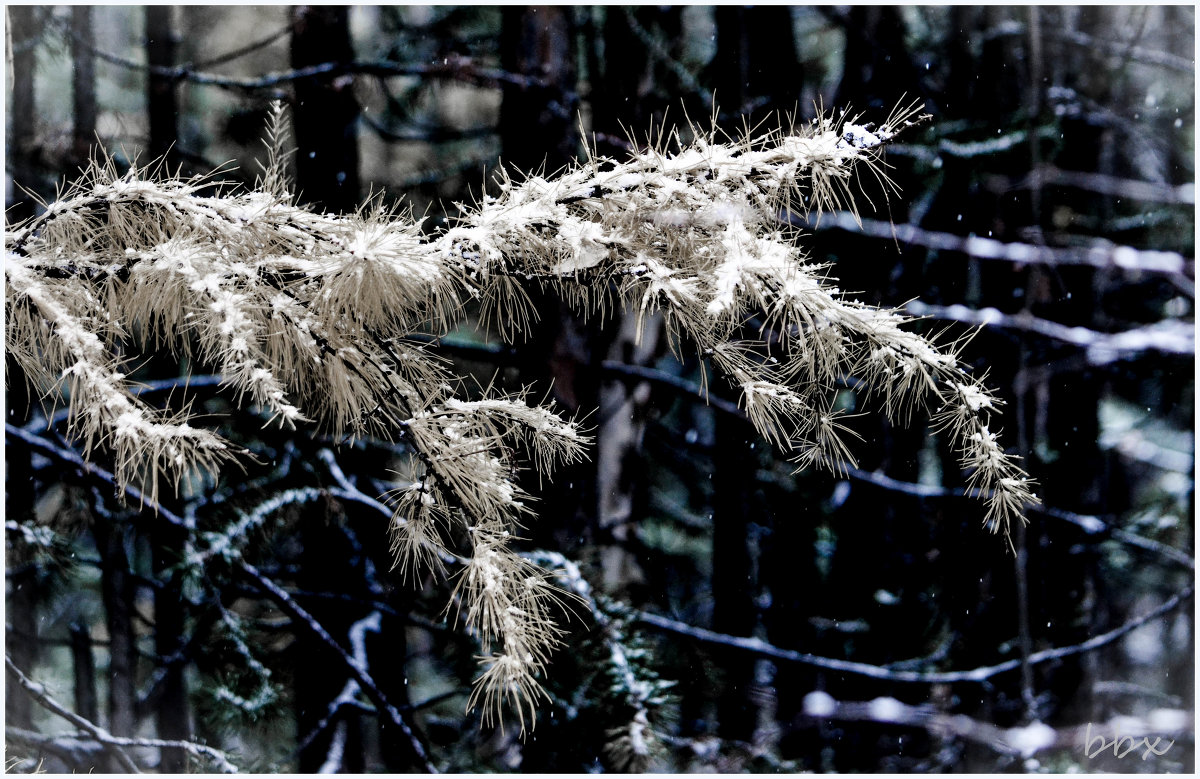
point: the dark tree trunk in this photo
(756, 69)
(878, 70)
(325, 566)
(561, 352)
(536, 120)
(172, 713)
(162, 104)
(733, 585)
(83, 83)
(117, 591)
(22, 139)
(325, 115)
(21, 602)
(86, 704)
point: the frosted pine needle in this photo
(308, 317)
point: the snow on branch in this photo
(1020, 740)
(1123, 258)
(1167, 337)
(980, 675)
(113, 745)
(325, 320)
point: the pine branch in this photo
(311, 316)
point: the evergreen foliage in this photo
(310, 317)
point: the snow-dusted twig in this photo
(111, 743)
(1118, 258)
(358, 671)
(1022, 740)
(976, 675)
(1167, 337)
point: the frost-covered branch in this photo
(1118, 258)
(112, 744)
(1167, 337)
(692, 232)
(977, 675)
(358, 671)
(325, 320)
(1023, 740)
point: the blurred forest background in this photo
(742, 618)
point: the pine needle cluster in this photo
(309, 318)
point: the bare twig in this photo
(113, 744)
(1124, 258)
(1168, 337)
(977, 675)
(1026, 741)
(1132, 189)
(461, 68)
(42, 446)
(358, 671)
(1120, 49)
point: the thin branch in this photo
(357, 670)
(426, 134)
(1141, 54)
(977, 675)
(458, 67)
(113, 743)
(1132, 189)
(614, 368)
(74, 750)
(348, 487)
(42, 446)
(249, 48)
(337, 750)
(1167, 337)
(44, 699)
(656, 48)
(1123, 258)
(1026, 741)
(1095, 526)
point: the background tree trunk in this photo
(325, 115)
(84, 662)
(22, 117)
(536, 123)
(735, 612)
(117, 589)
(21, 592)
(83, 83)
(162, 104)
(756, 70)
(171, 711)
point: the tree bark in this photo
(756, 70)
(83, 83)
(21, 596)
(86, 704)
(172, 713)
(162, 104)
(536, 121)
(117, 591)
(733, 581)
(23, 111)
(325, 114)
